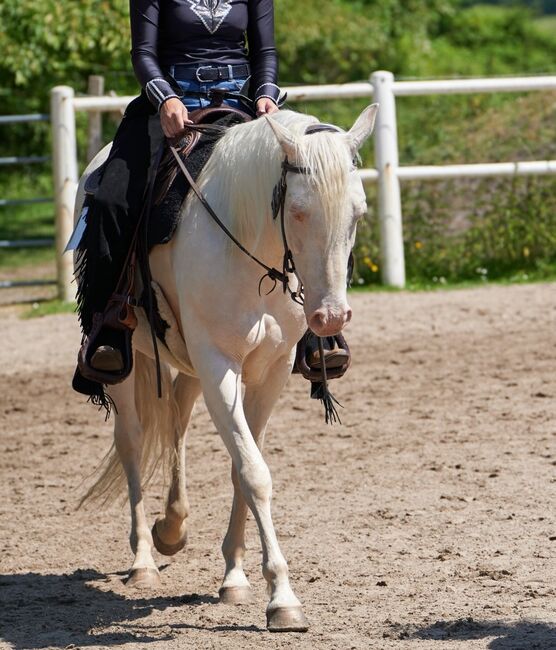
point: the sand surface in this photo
(426, 521)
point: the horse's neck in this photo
(267, 245)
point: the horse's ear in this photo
(362, 128)
(285, 137)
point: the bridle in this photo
(288, 264)
(278, 208)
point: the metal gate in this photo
(7, 203)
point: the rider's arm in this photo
(262, 50)
(144, 36)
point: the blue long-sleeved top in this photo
(221, 32)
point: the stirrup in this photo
(117, 316)
(312, 371)
(107, 358)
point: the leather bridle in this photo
(278, 208)
(288, 265)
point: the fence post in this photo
(96, 89)
(64, 166)
(389, 198)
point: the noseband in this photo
(278, 207)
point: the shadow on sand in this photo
(523, 635)
(56, 611)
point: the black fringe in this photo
(80, 275)
(104, 401)
(320, 391)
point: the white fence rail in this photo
(381, 87)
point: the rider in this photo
(177, 48)
(180, 52)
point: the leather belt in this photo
(208, 73)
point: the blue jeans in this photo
(193, 103)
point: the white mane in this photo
(246, 165)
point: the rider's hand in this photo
(266, 106)
(173, 117)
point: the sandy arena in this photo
(425, 521)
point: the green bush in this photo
(58, 42)
(508, 226)
(489, 40)
(499, 226)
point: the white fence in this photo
(381, 87)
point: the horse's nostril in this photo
(317, 320)
(348, 316)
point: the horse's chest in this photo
(274, 342)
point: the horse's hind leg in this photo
(170, 532)
(128, 442)
(258, 402)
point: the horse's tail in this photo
(159, 420)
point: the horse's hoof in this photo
(167, 549)
(144, 578)
(235, 595)
(286, 619)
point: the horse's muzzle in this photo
(329, 322)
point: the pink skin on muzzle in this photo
(325, 321)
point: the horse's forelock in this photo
(246, 165)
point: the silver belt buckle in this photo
(198, 72)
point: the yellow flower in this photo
(526, 251)
(418, 245)
(370, 264)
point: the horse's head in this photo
(323, 204)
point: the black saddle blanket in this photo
(165, 216)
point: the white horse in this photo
(232, 334)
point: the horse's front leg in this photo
(128, 441)
(258, 403)
(170, 532)
(221, 381)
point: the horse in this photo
(235, 330)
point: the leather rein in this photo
(278, 208)
(288, 265)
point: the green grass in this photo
(49, 308)
(30, 221)
(34, 221)
(441, 284)
(18, 258)
(546, 24)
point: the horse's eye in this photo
(298, 214)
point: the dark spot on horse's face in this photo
(299, 212)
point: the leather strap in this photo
(209, 73)
(272, 273)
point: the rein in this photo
(271, 272)
(278, 207)
(288, 265)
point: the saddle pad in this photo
(165, 216)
